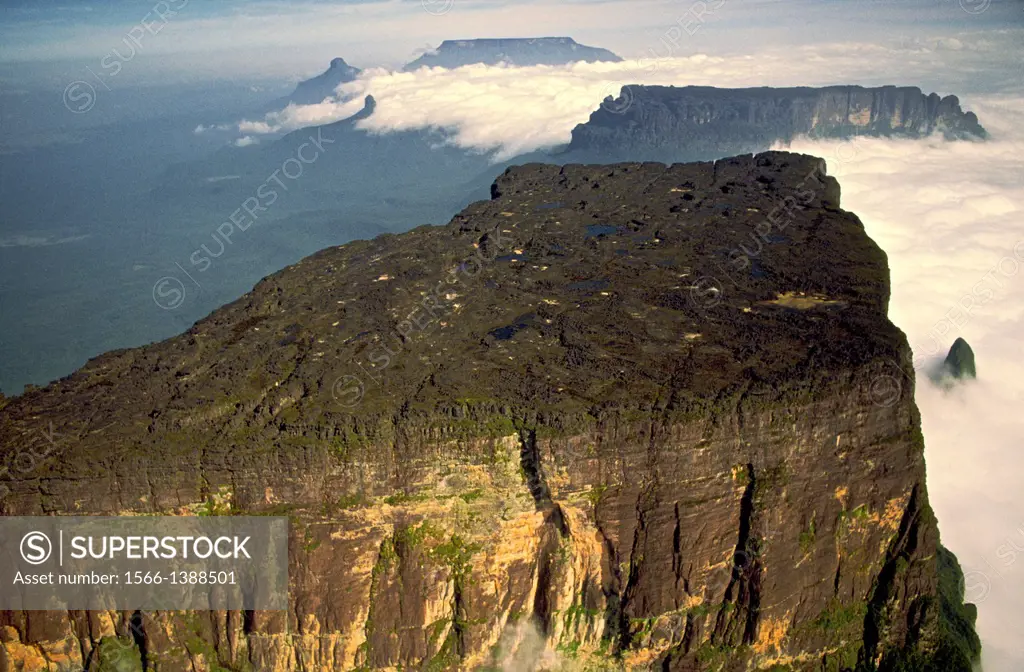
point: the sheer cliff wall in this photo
(667, 123)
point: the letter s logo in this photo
(79, 97)
(36, 548)
(168, 293)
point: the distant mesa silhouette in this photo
(513, 51)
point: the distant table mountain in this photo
(515, 51)
(667, 123)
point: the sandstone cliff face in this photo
(618, 417)
(700, 122)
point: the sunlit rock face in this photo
(634, 417)
(664, 123)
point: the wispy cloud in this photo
(25, 240)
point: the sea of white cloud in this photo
(948, 214)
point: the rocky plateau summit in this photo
(628, 411)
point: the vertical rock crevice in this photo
(737, 623)
(138, 633)
(885, 588)
(555, 527)
(533, 472)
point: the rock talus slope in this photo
(617, 417)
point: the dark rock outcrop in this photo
(514, 51)
(959, 362)
(631, 408)
(665, 123)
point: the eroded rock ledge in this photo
(645, 417)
